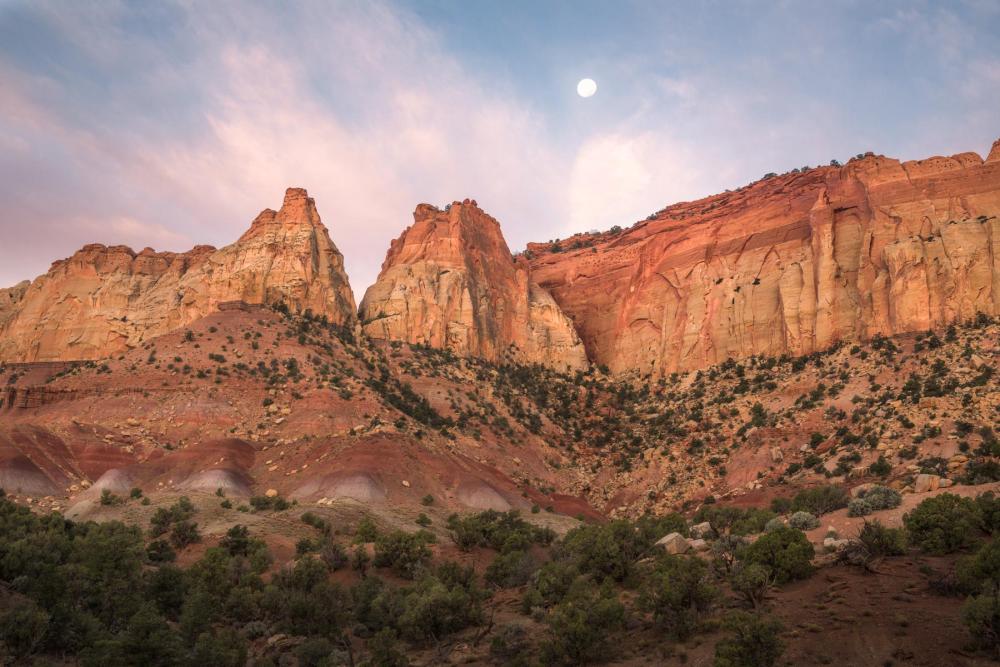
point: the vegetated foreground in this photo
(287, 488)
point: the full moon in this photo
(586, 87)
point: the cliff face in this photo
(103, 300)
(450, 281)
(790, 264)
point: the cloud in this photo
(173, 124)
(621, 178)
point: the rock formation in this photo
(450, 281)
(789, 264)
(103, 299)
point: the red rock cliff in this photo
(789, 264)
(450, 281)
(106, 299)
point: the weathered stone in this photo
(701, 530)
(789, 264)
(674, 543)
(451, 282)
(924, 483)
(698, 545)
(103, 300)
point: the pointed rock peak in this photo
(994, 155)
(298, 207)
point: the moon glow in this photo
(586, 88)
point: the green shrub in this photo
(785, 551)
(510, 569)
(275, 503)
(501, 531)
(384, 650)
(754, 641)
(803, 521)
(981, 616)
(404, 552)
(943, 524)
(510, 645)
(184, 534)
(23, 627)
(752, 581)
(882, 541)
(366, 531)
(728, 519)
(678, 593)
(820, 500)
(440, 604)
(873, 500)
(582, 626)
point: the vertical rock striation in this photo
(450, 281)
(103, 299)
(789, 264)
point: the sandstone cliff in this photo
(450, 281)
(792, 263)
(103, 299)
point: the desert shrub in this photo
(981, 616)
(313, 652)
(781, 505)
(439, 604)
(225, 648)
(163, 518)
(882, 541)
(785, 551)
(774, 524)
(725, 551)
(502, 531)
(754, 641)
(943, 524)
(582, 626)
(981, 471)
(384, 650)
(366, 531)
(727, 519)
(981, 572)
(184, 534)
(880, 468)
(820, 500)
(874, 499)
(23, 626)
(874, 542)
(752, 582)
(510, 645)
(611, 550)
(275, 503)
(550, 584)
(333, 554)
(803, 521)
(678, 593)
(160, 551)
(510, 569)
(404, 552)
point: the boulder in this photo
(701, 530)
(674, 543)
(925, 482)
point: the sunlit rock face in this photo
(450, 281)
(789, 264)
(103, 299)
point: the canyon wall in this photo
(450, 281)
(789, 264)
(103, 300)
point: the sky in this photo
(172, 124)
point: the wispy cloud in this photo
(171, 124)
